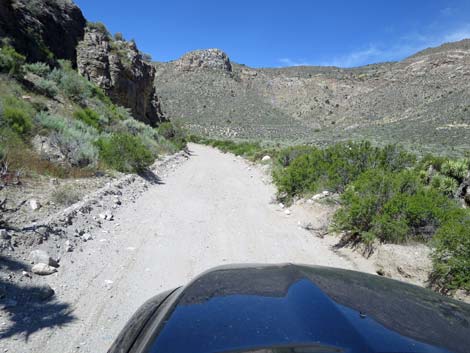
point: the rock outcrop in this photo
(43, 30)
(119, 69)
(205, 59)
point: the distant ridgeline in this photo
(422, 101)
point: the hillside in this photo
(421, 101)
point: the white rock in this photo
(43, 269)
(287, 212)
(266, 159)
(87, 236)
(42, 257)
(34, 204)
(68, 246)
(281, 205)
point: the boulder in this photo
(119, 69)
(34, 204)
(266, 159)
(43, 269)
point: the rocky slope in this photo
(119, 69)
(422, 100)
(42, 29)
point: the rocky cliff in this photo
(43, 30)
(119, 69)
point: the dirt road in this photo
(214, 209)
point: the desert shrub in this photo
(392, 207)
(119, 36)
(89, 117)
(173, 133)
(456, 169)
(66, 195)
(99, 26)
(287, 155)
(334, 167)
(39, 68)
(444, 184)
(243, 148)
(11, 61)
(124, 152)
(148, 135)
(71, 83)
(46, 87)
(75, 139)
(17, 114)
(451, 255)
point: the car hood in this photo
(292, 308)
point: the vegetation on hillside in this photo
(387, 194)
(76, 118)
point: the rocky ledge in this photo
(205, 59)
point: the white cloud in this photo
(292, 62)
(374, 53)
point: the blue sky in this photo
(272, 33)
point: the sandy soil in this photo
(211, 210)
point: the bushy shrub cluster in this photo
(334, 167)
(75, 139)
(173, 133)
(124, 152)
(70, 83)
(387, 196)
(39, 69)
(392, 207)
(16, 114)
(451, 257)
(89, 117)
(11, 62)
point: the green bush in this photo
(74, 86)
(46, 87)
(99, 26)
(333, 168)
(17, 114)
(451, 256)
(11, 61)
(39, 68)
(444, 184)
(89, 117)
(124, 152)
(456, 169)
(289, 154)
(392, 207)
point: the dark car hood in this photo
(314, 309)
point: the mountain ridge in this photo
(422, 99)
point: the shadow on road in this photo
(151, 177)
(27, 308)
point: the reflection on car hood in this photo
(310, 309)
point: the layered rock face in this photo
(119, 69)
(42, 29)
(205, 59)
